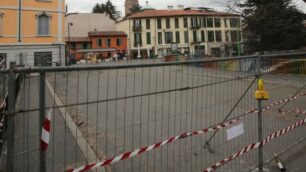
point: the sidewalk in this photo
(63, 152)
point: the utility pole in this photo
(19, 22)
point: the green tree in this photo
(97, 9)
(273, 25)
(108, 8)
(135, 9)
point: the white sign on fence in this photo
(235, 131)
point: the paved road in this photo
(190, 98)
(113, 127)
(293, 160)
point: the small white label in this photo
(235, 131)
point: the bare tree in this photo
(232, 6)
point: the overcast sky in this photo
(87, 5)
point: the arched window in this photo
(43, 25)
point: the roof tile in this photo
(170, 13)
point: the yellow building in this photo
(32, 32)
(187, 30)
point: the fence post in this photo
(10, 118)
(260, 137)
(42, 106)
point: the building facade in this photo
(82, 23)
(99, 44)
(184, 30)
(31, 32)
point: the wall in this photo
(86, 22)
(184, 46)
(30, 9)
(30, 42)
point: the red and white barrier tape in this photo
(45, 133)
(255, 145)
(297, 111)
(129, 155)
(276, 103)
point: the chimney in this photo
(170, 7)
(180, 7)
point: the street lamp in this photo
(69, 25)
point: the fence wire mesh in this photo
(104, 111)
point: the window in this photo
(168, 37)
(137, 23)
(210, 22)
(43, 59)
(119, 41)
(137, 39)
(2, 60)
(108, 42)
(203, 36)
(73, 46)
(195, 38)
(234, 22)
(203, 22)
(217, 22)
(200, 22)
(43, 25)
(148, 38)
(168, 23)
(225, 22)
(186, 37)
(99, 42)
(177, 37)
(85, 45)
(159, 24)
(1, 23)
(160, 38)
(227, 38)
(211, 36)
(218, 36)
(194, 22)
(177, 23)
(148, 25)
(185, 22)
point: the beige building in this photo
(87, 22)
(195, 31)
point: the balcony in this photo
(137, 29)
(137, 43)
(196, 42)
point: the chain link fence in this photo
(101, 112)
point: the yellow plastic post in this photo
(261, 93)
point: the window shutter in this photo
(43, 25)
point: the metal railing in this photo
(100, 112)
